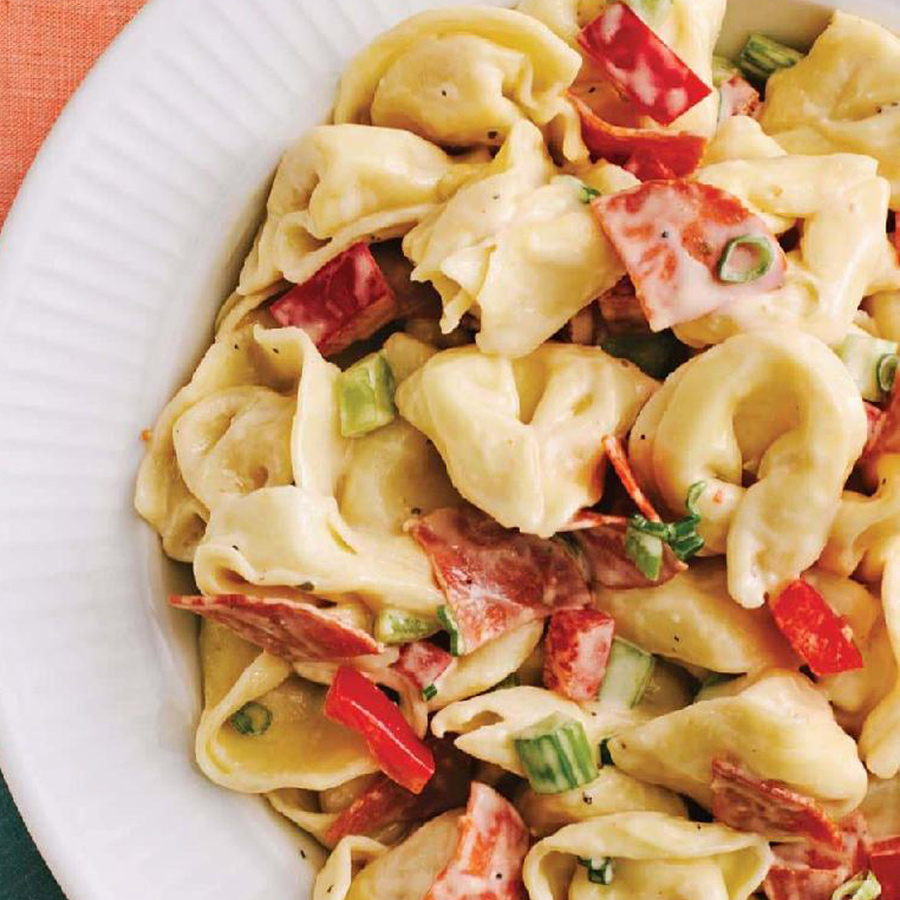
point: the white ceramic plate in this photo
(126, 236)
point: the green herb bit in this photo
(864, 886)
(448, 620)
(397, 626)
(731, 273)
(763, 56)
(695, 491)
(645, 551)
(588, 193)
(886, 371)
(252, 719)
(429, 692)
(366, 396)
(599, 871)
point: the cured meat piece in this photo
(385, 802)
(347, 300)
(821, 637)
(646, 154)
(615, 452)
(737, 97)
(422, 663)
(885, 863)
(884, 427)
(875, 421)
(603, 546)
(621, 310)
(495, 579)
(806, 870)
(770, 808)
(487, 864)
(576, 651)
(636, 60)
(286, 628)
(671, 236)
(353, 701)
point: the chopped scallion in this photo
(872, 363)
(645, 551)
(365, 394)
(886, 371)
(397, 626)
(448, 620)
(556, 755)
(429, 692)
(599, 871)
(762, 56)
(864, 886)
(731, 273)
(695, 491)
(252, 719)
(588, 193)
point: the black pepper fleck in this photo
(443, 92)
(587, 799)
(664, 234)
(416, 511)
(492, 135)
(303, 854)
(236, 347)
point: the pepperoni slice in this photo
(287, 628)
(885, 862)
(347, 300)
(603, 546)
(671, 236)
(770, 808)
(615, 452)
(646, 154)
(737, 97)
(576, 652)
(495, 579)
(422, 663)
(821, 637)
(487, 864)
(636, 60)
(385, 802)
(806, 870)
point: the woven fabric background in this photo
(46, 48)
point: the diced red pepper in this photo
(648, 155)
(603, 546)
(615, 452)
(587, 518)
(422, 663)
(487, 864)
(771, 808)
(737, 97)
(576, 651)
(355, 702)
(885, 863)
(286, 628)
(671, 236)
(385, 802)
(641, 65)
(821, 637)
(495, 579)
(346, 301)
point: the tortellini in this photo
(655, 855)
(340, 184)
(844, 96)
(301, 748)
(777, 725)
(460, 77)
(775, 405)
(693, 619)
(522, 438)
(827, 275)
(516, 226)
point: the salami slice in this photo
(487, 864)
(495, 579)
(737, 97)
(646, 154)
(637, 61)
(885, 862)
(671, 236)
(604, 549)
(347, 300)
(422, 663)
(770, 808)
(287, 628)
(385, 802)
(806, 870)
(615, 452)
(576, 651)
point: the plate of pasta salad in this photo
(525, 523)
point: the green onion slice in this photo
(864, 886)
(694, 493)
(448, 620)
(731, 273)
(429, 692)
(886, 371)
(252, 719)
(599, 871)
(588, 193)
(645, 551)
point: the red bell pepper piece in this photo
(641, 65)
(355, 702)
(744, 801)
(422, 663)
(347, 300)
(821, 637)
(648, 155)
(885, 863)
(576, 652)
(615, 452)
(671, 236)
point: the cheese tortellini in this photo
(777, 405)
(522, 438)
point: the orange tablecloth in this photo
(46, 47)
